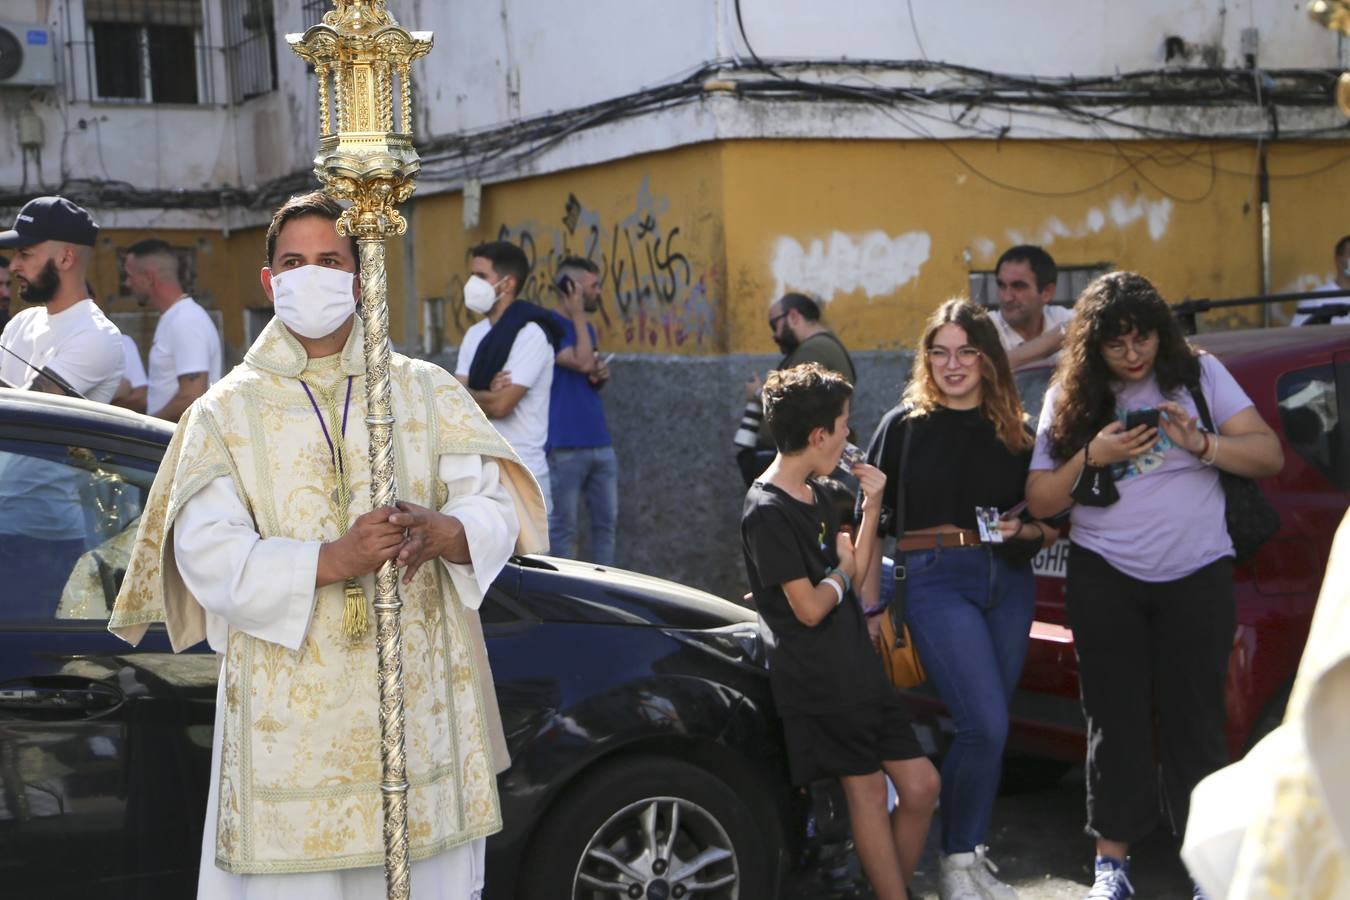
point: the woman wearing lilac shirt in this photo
(1149, 589)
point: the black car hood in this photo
(564, 590)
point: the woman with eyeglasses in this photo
(969, 600)
(1149, 589)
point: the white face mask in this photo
(313, 301)
(479, 294)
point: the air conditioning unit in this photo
(27, 54)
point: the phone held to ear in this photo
(564, 284)
(1136, 417)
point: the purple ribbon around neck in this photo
(332, 451)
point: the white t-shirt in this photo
(186, 341)
(132, 371)
(78, 343)
(1054, 316)
(531, 367)
(1301, 317)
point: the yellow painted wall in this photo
(694, 243)
(652, 223)
(835, 214)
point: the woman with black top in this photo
(969, 602)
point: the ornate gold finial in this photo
(366, 55)
(1335, 14)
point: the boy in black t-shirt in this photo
(841, 717)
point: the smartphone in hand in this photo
(1136, 417)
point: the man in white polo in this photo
(1028, 326)
(185, 353)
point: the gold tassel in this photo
(355, 616)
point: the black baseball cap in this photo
(50, 219)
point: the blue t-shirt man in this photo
(581, 457)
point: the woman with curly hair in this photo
(969, 601)
(1150, 576)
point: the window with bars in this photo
(146, 50)
(312, 11)
(1071, 281)
(250, 47)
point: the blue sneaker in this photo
(1112, 881)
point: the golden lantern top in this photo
(1334, 14)
(361, 57)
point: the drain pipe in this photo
(1263, 182)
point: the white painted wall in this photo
(499, 61)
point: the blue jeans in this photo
(970, 615)
(594, 472)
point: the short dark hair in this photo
(151, 247)
(807, 308)
(314, 203)
(507, 260)
(579, 262)
(1343, 246)
(801, 399)
(1042, 263)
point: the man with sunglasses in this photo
(794, 322)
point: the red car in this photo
(1299, 379)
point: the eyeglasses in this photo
(1119, 348)
(966, 356)
(774, 320)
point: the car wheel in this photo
(653, 828)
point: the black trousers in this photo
(1149, 649)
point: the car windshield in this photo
(1031, 384)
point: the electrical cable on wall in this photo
(1099, 102)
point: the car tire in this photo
(610, 833)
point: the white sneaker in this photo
(989, 886)
(956, 877)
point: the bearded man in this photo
(794, 322)
(252, 540)
(63, 331)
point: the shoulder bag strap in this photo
(1202, 407)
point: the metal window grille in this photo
(142, 51)
(313, 10)
(250, 48)
(1071, 281)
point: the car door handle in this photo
(86, 698)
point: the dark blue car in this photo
(647, 760)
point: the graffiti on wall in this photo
(653, 295)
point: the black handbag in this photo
(1250, 517)
(1095, 486)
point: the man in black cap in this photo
(63, 331)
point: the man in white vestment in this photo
(253, 538)
(1277, 822)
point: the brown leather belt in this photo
(963, 538)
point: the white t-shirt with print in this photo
(79, 344)
(531, 367)
(186, 341)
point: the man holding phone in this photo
(581, 457)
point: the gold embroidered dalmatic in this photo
(299, 780)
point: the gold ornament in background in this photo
(361, 57)
(1335, 14)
